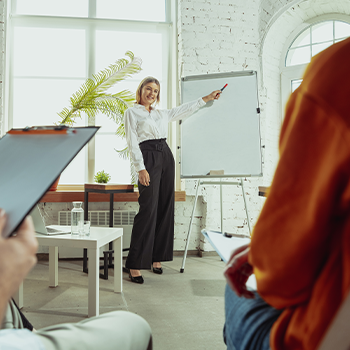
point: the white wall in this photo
(2, 59)
(221, 36)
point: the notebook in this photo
(39, 225)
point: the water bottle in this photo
(77, 219)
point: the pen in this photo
(223, 88)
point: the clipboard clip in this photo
(236, 235)
(49, 129)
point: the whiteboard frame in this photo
(218, 76)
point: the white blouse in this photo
(141, 125)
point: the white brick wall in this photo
(220, 36)
(2, 59)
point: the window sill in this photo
(61, 196)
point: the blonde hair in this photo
(144, 82)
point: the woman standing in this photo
(146, 129)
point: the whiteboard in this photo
(224, 135)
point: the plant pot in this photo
(54, 185)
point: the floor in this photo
(184, 310)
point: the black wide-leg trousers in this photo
(152, 238)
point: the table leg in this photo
(93, 287)
(18, 296)
(53, 266)
(86, 205)
(86, 216)
(85, 268)
(118, 268)
(111, 202)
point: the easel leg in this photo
(245, 207)
(189, 229)
(221, 215)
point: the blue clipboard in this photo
(31, 160)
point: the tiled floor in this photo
(184, 310)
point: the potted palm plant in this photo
(93, 96)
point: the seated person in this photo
(14, 318)
(113, 330)
(300, 247)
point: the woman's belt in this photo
(153, 145)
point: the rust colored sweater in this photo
(300, 248)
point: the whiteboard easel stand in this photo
(199, 182)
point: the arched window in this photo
(313, 39)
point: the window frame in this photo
(90, 24)
(290, 73)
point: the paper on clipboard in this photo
(31, 160)
(224, 246)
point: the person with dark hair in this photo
(109, 331)
(300, 247)
(146, 129)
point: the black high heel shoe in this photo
(157, 270)
(137, 279)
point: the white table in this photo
(99, 237)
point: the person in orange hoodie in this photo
(300, 247)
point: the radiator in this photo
(121, 218)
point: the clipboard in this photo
(224, 244)
(31, 159)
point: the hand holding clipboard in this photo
(226, 245)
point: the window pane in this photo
(49, 52)
(296, 84)
(298, 56)
(75, 171)
(107, 158)
(70, 8)
(138, 43)
(342, 30)
(320, 47)
(150, 10)
(37, 101)
(302, 39)
(339, 40)
(322, 32)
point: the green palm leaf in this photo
(121, 130)
(92, 98)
